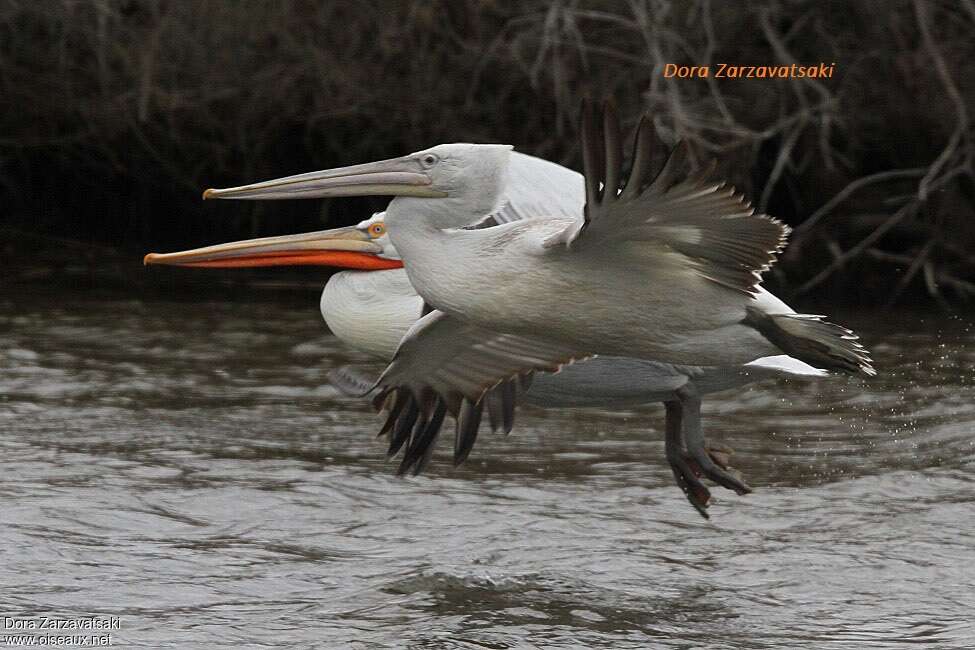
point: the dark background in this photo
(116, 114)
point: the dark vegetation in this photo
(115, 114)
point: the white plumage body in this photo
(628, 301)
(371, 311)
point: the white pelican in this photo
(371, 309)
(663, 268)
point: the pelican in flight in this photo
(663, 266)
(372, 307)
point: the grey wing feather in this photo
(446, 365)
(350, 382)
(455, 358)
(714, 229)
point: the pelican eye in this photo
(377, 230)
(430, 159)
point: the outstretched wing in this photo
(447, 365)
(713, 229)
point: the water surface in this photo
(185, 466)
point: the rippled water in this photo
(185, 467)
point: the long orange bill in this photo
(348, 248)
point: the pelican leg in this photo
(686, 474)
(711, 462)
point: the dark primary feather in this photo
(468, 423)
(402, 426)
(414, 423)
(811, 339)
(421, 442)
(399, 403)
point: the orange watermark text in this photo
(731, 71)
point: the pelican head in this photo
(449, 185)
(365, 246)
